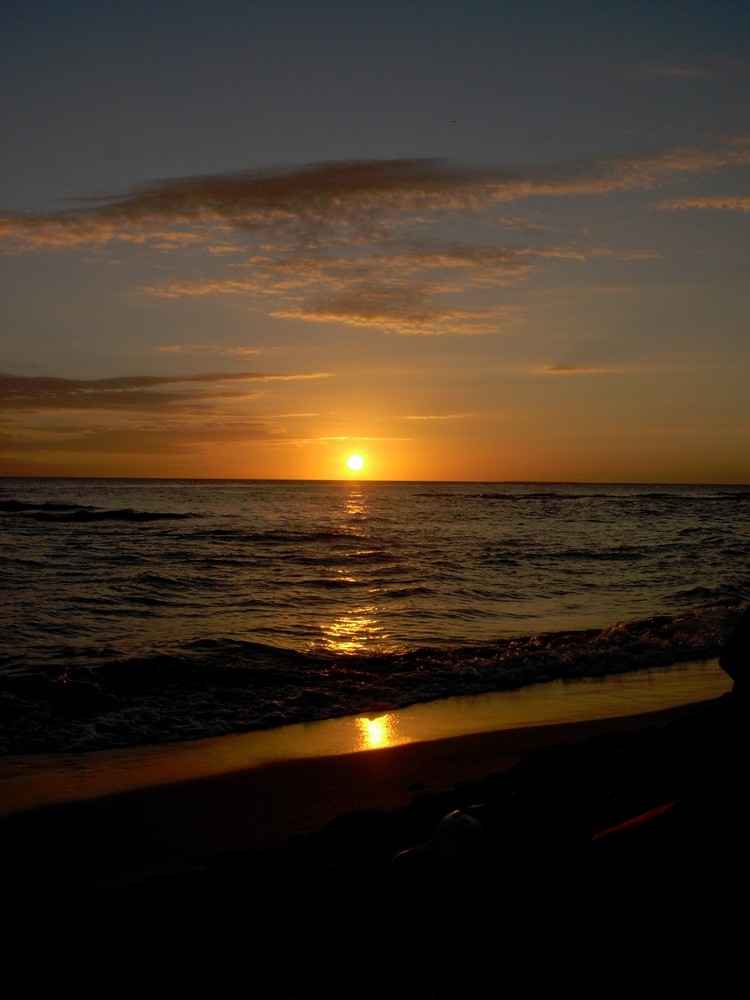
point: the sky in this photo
(479, 241)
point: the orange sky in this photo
(479, 242)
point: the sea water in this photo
(140, 611)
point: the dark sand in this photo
(257, 896)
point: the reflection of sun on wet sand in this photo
(376, 733)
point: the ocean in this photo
(145, 611)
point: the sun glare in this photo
(355, 463)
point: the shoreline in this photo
(67, 854)
(39, 780)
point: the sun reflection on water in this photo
(355, 631)
(355, 503)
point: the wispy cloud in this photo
(401, 292)
(639, 255)
(197, 287)
(214, 350)
(399, 310)
(139, 392)
(452, 265)
(439, 416)
(735, 203)
(171, 416)
(345, 242)
(576, 370)
(134, 440)
(359, 438)
(355, 195)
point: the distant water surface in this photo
(144, 610)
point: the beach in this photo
(175, 876)
(309, 740)
(374, 500)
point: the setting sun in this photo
(355, 463)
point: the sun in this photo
(355, 463)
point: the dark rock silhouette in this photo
(735, 657)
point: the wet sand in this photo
(27, 782)
(322, 877)
(78, 826)
(292, 867)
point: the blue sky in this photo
(477, 241)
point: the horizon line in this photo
(362, 481)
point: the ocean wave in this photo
(266, 603)
(566, 495)
(92, 698)
(66, 513)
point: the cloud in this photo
(357, 437)
(221, 286)
(294, 275)
(399, 310)
(345, 242)
(735, 203)
(575, 370)
(138, 392)
(440, 416)
(287, 416)
(169, 416)
(134, 440)
(639, 255)
(402, 291)
(358, 196)
(211, 349)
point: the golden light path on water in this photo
(356, 505)
(353, 631)
(359, 629)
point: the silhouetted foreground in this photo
(534, 898)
